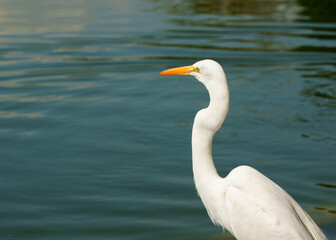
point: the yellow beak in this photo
(180, 70)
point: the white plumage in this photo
(246, 203)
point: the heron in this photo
(245, 202)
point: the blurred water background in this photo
(95, 145)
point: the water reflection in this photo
(323, 11)
(6, 114)
(22, 17)
(326, 185)
(309, 10)
(274, 9)
(320, 76)
(326, 209)
(60, 16)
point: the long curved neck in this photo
(207, 122)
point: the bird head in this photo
(204, 70)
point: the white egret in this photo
(246, 203)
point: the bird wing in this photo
(248, 220)
(257, 208)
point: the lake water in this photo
(95, 145)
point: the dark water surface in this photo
(96, 145)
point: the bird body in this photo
(251, 206)
(246, 203)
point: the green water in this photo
(95, 145)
